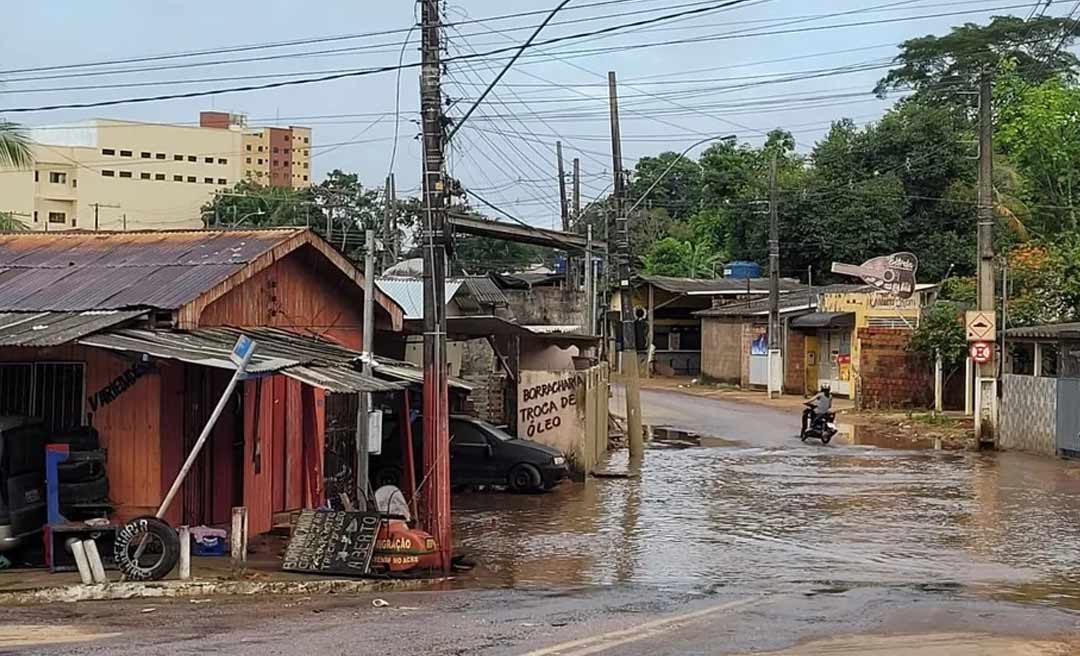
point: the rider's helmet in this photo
(826, 390)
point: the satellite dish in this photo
(391, 500)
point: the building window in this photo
(248, 147)
(258, 173)
(222, 181)
(144, 155)
(178, 158)
(108, 151)
(36, 177)
(35, 216)
(57, 217)
(108, 174)
(305, 139)
(208, 180)
(159, 176)
(192, 178)
(144, 176)
(305, 165)
(74, 182)
(305, 153)
(276, 149)
(178, 178)
(305, 178)
(1022, 358)
(287, 150)
(1048, 360)
(222, 160)
(125, 153)
(125, 174)
(260, 149)
(52, 391)
(56, 177)
(209, 160)
(192, 158)
(248, 160)
(260, 161)
(160, 156)
(276, 163)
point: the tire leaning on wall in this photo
(161, 553)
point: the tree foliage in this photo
(941, 331)
(14, 147)
(681, 259)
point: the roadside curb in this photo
(188, 589)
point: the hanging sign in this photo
(890, 273)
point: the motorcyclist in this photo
(819, 405)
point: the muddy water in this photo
(704, 513)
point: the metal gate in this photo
(1068, 416)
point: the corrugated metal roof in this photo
(485, 291)
(77, 271)
(409, 293)
(56, 328)
(307, 359)
(718, 286)
(1049, 331)
(410, 373)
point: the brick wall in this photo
(795, 363)
(487, 398)
(890, 375)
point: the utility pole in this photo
(564, 207)
(435, 498)
(363, 408)
(577, 189)
(97, 209)
(590, 291)
(775, 353)
(626, 301)
(986, 385)
(389, 230)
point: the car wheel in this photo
(146, 549)
(387, 476)
(525, 478)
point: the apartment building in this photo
(125, 175)
(273, 156)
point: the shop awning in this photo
(55, 328)
(310, 360)
(481, 326)
(816, 320)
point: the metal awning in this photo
(410, 373)
(39, 329)
(310, 360)
(479, 327)
(824, 320)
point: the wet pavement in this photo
(730, 537)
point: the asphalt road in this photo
(749, 543)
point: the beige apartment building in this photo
(124, 175)
(277, 157)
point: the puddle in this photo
(25, 635)
(937, 644)
(858, 435)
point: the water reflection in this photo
(774, 517)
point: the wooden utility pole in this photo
(564, 206)
(775, 351)
(986, 384)
(435, 499)
(577, 190)
(363, 409)
(590, 289)
(626, 301)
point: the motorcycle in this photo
(821, 427)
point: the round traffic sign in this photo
(981, 352)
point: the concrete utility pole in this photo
(435, 499)
(577, 190)
(590, 290)
(564, 206)
(775, 353)
(389, 230)
(363, 408)
(626, 305)
(986, 384)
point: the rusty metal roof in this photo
(79, 271)
(718, 286)
(55, 328)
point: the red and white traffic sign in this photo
(981, 352)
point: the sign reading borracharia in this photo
(890, 273)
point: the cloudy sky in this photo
(744, 69)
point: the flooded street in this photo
(759, 510)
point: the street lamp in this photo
(675, 161)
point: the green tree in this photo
(941, 330)
(480, 255)
(942, 67)
(14, 146)
(253, 205)
(681, 259)
(678, 192)
(8, 223)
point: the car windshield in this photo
(494, 431)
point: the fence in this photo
(1029, 410)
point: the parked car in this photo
(22, 480)
(480, 454)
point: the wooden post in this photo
(938, 403)
(968, 387)
(650, 349)
(238, 538)
(185, 553)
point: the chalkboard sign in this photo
(332, 542)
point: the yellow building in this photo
(126, 175)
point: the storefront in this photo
(828, 352)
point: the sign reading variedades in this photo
(332, 542)
(891, 273)
(547, 407)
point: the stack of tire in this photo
(84, 481)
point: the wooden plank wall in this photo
(295, 295)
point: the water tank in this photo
(742, 270)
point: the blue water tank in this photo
(742, 270)
(560, 264)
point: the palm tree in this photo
(8, 223)
(14, 146)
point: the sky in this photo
(743, 70)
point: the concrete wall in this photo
(722, 350)
(1028, 414)
(566, 410)
(547, 306)
(889, 375)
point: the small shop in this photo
(827, 351)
